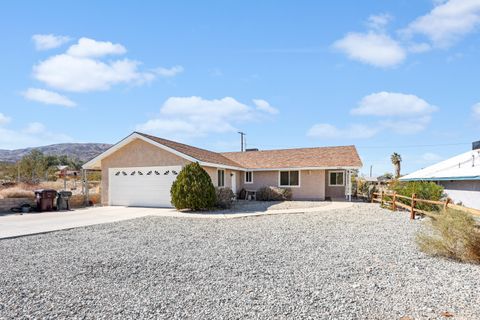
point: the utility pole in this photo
(371, 170)
(242, 134)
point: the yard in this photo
(357, 263)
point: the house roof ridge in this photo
(290, 149)
(154, 138)
(176, 142)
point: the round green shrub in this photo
(193, 189)
(422, 190)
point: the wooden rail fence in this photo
(391, 199)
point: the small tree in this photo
(193, 189)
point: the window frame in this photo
(289, 186)
(223, 178)
(245, 177)
(330, 180)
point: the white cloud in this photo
(169, 72)
(35, 128)
(32, 135)
(49, 41)
(47, 97)
(393, 104)
(395, 112)
(81, 68)
(188, 117)
(406, 126)
(328, 131)
(4, 119)
(419, 47)
(264, 106)
(476, 110)
(92, 48)
(447, 22)
(78, 74)
(379, 21)
(377, 49)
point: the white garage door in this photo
(141, 186)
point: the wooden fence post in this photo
(394, 198)
(445, 206)
(381, 200)
(412, 208)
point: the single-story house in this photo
(140, 169)
(460, 176)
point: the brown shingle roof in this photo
(194, 152)
(345, 156)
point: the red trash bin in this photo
(45, 199)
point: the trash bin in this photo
(45, 199)
(63, 200)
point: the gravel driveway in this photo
(359, 263)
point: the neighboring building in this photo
(460, 176)
(140, 169)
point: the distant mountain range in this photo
(81, 151)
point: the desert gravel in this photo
(359, 263)
(245, 206)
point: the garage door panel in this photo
(147, 187)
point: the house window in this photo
(249, 177)
(336, 178)
(289, 179)
(221, 178)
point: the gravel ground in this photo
(241, 206)
(359, 263)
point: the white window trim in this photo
(245, 178)
(287, 186)
(218, 181)
(336, 185)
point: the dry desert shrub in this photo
(16, 192)
(452, 234)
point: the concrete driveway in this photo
(33, 223)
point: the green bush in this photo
(273, 194)
(422, 189)
(225, 198)
(193, 189)
(366, 188)
(452, 234)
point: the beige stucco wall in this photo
(137, 153)
(334, 192)
(312, 183)
(212, 172)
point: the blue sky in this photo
(383, 75)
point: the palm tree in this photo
(396, 160)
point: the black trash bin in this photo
(45, 199)
(63, 200)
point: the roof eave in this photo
(442, 178)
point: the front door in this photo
(234, 182)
